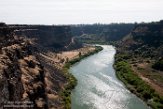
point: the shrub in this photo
(135, 84)
(158, 65)
(72, 82)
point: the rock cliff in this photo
(26, 79)
(55, 37)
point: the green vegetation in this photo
(101, 33)
(114, 43)
(145, 40)
(72, 82)
(93, 42)
(158, 65)
(135, 84)
(98, 48)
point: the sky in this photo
(79, 11)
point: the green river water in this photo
(98, 86)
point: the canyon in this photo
(34, 60)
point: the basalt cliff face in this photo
(145, 39)
(55, 37)
(142, 52)
(25, 76)
(101, 33)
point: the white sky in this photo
(79, 11)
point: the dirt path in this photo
(152, 77)
(59, 59)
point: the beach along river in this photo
(98, 86)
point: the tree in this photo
(67, 59)
(79, 54)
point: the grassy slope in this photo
(72, 82)
(135, 84)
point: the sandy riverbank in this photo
(59, 59)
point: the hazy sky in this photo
(79, 11)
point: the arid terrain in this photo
(153, 77)
(31, 72)
(59, 59)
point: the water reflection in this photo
(98, 87)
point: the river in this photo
(98, 86)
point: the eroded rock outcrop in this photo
(24, 77)
(56, 38)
